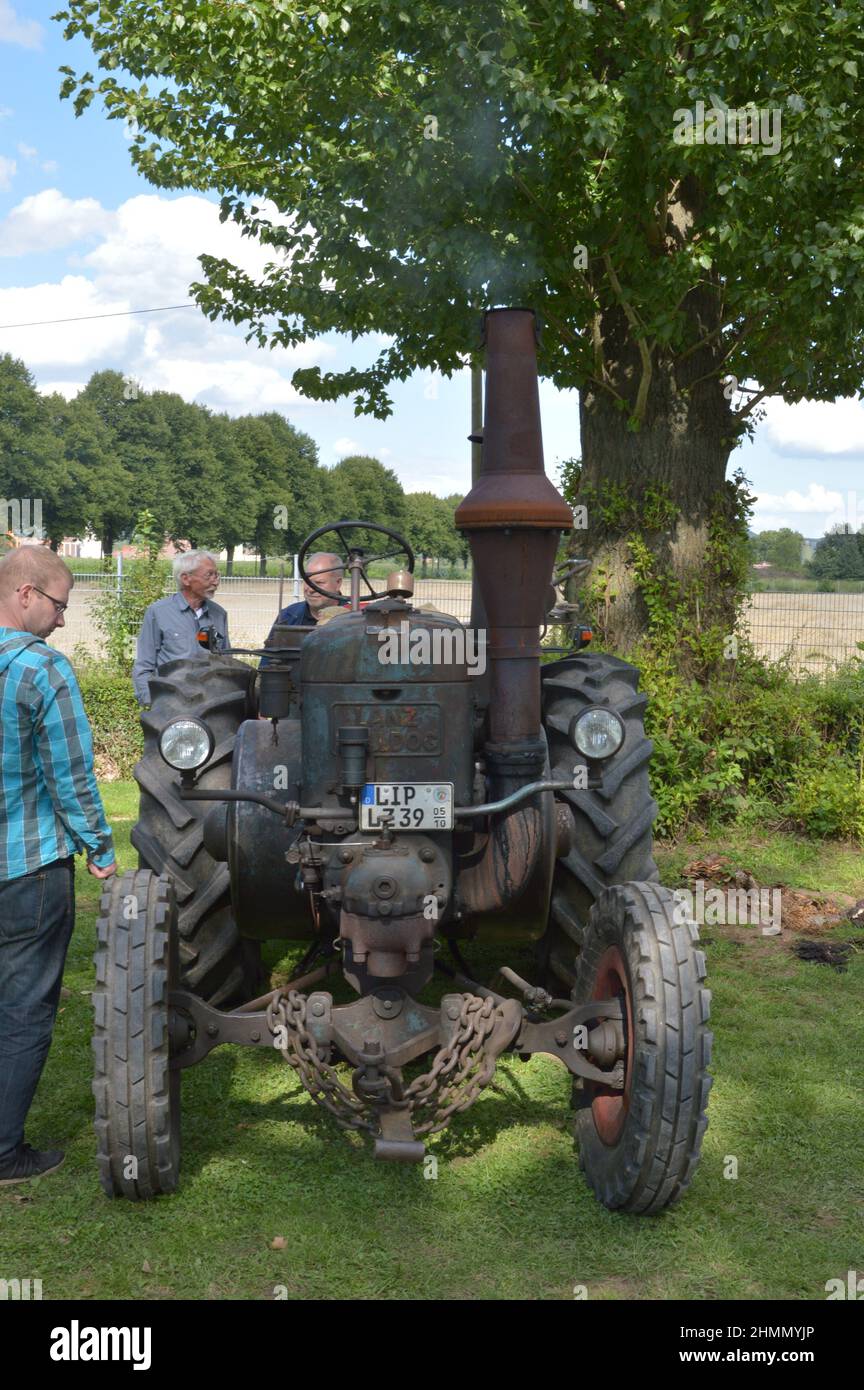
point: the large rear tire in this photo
(215, 963)
(639, 1148)
(612, 827)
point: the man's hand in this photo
(101, 873)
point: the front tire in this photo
(639, 1149)
(137, 1095)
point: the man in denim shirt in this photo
(171, 626)
(50, 809)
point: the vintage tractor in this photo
(401, 783)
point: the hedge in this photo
(114, 718)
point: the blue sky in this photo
(81, 234)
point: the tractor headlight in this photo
(597, 733)
(186, 744)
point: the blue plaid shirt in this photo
(50, 806)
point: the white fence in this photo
(815, 630)
(250, 602)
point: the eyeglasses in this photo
(61, 607)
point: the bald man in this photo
(327, 570)
(50, 809)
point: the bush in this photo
(114, 717)
(118, 616)
(756, 747)
(825, 802)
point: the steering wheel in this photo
(356, 557)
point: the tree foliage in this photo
(783, 549)
(839, 555)
(408, 165)
(429, 523)
(118, 461)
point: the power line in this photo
(84, 318)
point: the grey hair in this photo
(327, 555)
(189, 560)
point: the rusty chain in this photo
(301, 1052)
(459, 1071)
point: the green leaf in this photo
(851, 67)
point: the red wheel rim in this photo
(610, 1108)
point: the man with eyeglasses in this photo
(50, 810)
(186, 624)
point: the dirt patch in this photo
(803, 912)
(804, 916)
(837, 954)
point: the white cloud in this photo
(153, 245)
(144, 257)
(831, 428)
(8, 170)
(817, 498)
(69, 389)
(6, 112)
(24, 32)
(236, 385)
(27, 151)
(48, 220)
(810, 512)
(64, 344)
(50, 166)
(345, 446)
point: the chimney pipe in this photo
(513, 517)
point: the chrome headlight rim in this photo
(613, 718)
(189, 722)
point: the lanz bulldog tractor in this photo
(381, 797)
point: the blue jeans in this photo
(37, 914)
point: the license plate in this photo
(407, 806)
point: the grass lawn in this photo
(508, 1216)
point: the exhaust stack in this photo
(513, 517)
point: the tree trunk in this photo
(229, 560)
(107, 547)
(262, 565)
(663, 482)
